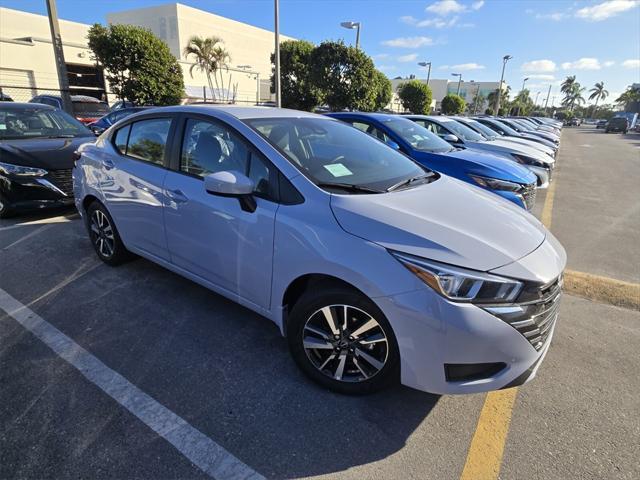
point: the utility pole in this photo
(476, 100)
(536, 102)
(547, 101)
(505, 59)
(58, 53)
(277, 54)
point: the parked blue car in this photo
(112, 117)
(503, 177)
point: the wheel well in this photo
(314, 280)
(88, 200)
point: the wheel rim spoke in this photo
(345, 343)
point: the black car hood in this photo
(47, 153)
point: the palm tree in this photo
(574, 96)
(492, 97)
(598, 93)
(567, 85)
(220, 59)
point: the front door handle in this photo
(177, 196)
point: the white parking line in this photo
(61, 219)
(35, 232)
(203, 452)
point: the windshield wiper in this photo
(65, 135)
(409, 181)
(349, 187)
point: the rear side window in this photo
(120, 139)
(148, 139)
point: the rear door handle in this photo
(177, 196)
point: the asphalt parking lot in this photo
(227, 374)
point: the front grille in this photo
(529, 196)
(63, 180)
(537, 313)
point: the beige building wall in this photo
(247, 45)
(26, 51)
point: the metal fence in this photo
(195, 95)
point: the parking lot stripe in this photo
(487, 446)
(547, 209)
(35, 232)
(203, 452)
(60, 219)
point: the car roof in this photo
(243, 112)
(74, 98)
(24, 106)
(374, 115)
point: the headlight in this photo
(524, 160)
(20, 171)
(495, 184)
(459, 284)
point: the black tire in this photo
(105, 238)
(5, 210)
(355, 382)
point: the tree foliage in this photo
(345, 76)
(415, 97)
(452, 104)
(296, 86)
(384, 90)
(139, 66)
(211, 58)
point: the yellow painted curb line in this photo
(487, 446)
(602, 289)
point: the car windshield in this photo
(38, 123)
(482, 129)
(522, 125)
(417, 136)
(330, 152)
(503, 126)
(462, 131)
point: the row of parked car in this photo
(378, 244)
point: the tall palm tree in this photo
(568, 83)
(210, 57)
(598, 93)
(220, 60)
(574, 96)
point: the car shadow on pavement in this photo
(224, 369)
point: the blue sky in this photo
(597, 40)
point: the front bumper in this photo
(31, 193)
(543, 174)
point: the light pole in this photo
(547, 101)
(351, 26)
(61, 66)
(476, 100)
(425, 64)
(536, 102)
(276, 75)
(459, 75)
(523, 82)
(505, 59)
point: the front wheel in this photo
(343, 341)
(104, 236)
(5, 211)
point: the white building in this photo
(27, 65)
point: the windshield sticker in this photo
(338, 170)
(3, 126)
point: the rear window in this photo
(145, 140)
(91, 107)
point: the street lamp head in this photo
(506, 58)
(424, 64)
(456, 74)
(350, 25)
(527, 78)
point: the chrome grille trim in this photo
(63, 180)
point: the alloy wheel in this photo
(345, 343)
(102, 234)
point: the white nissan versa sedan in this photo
(376, 269)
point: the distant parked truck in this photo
(631, 117)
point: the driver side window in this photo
(371, 130)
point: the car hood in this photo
(447, 220)
(487, 164)
(47, 153)
(529, 143)
(506, 147)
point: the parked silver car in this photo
(375, 269)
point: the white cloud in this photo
(608, 63)
(604, 10)
(477, 5)
(438, 22)
(408, 42)
(381, 56)
(582, 64)
(555, 16)
(631, 64)
(541, 77)
(386, 68)
(462, 67)
(408, 19)
(539, 66)
(446, 7)
(408, 58)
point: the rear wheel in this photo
(104, 236)
(343, 341)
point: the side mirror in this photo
(231, 183)
(449, 137)
(392, 144)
